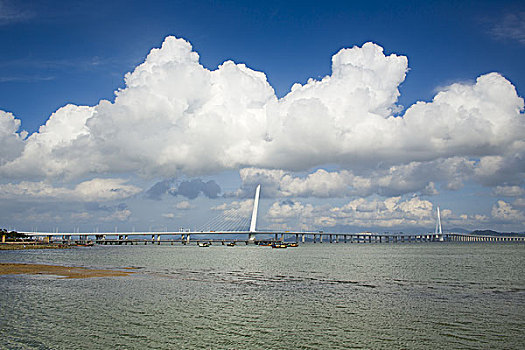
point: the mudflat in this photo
(32, 245)
(63, 271)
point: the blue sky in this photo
(58, 53)
(78, 52)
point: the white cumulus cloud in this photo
(52, 150)
(11, 142)
(395, 180)
(175, 117)
(390, 214)
(184, 205)
(505, 212)
(359, 213)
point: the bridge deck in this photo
(315, 237)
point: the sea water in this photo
(316, 296)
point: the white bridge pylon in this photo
(253, 223)
(439, 230)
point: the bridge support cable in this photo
(226, 221)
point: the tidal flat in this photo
(56, 270)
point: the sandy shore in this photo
(64, 271)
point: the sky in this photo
(353, 116)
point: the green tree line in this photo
(11, 234)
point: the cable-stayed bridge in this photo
(231, 224)
(226, 224)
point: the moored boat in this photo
(85, 244)
(279, 245)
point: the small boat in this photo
(293, 245)
(85, 244)
(279, 245)
(231, 244)
(203, 244)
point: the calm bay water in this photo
(317, 296)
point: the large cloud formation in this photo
(378, 214)
(175, 117)
(87, 191)
(11, 142)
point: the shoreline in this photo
(32, 245)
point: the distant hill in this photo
(495, 233)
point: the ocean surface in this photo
(316, 296)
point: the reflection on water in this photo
(338, 296)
